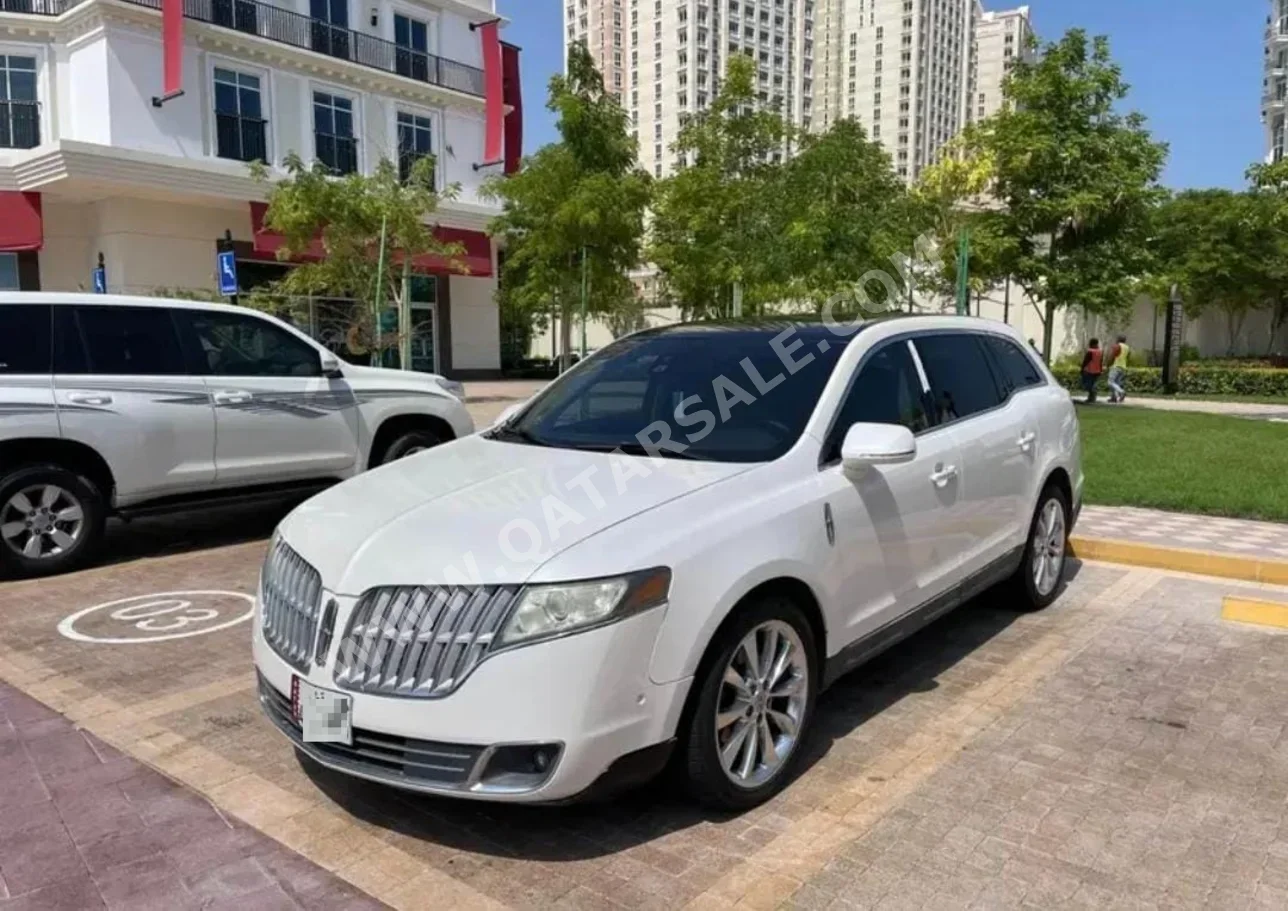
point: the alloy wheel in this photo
(761, 705)
(1048, 547)
(41, 521)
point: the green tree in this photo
(372, 228)
(573, 217)
(713, 226)
(1076, 179)
(841, 212)
(1270, 183)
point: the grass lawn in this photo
(1185, 462)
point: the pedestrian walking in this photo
(1093, 364)
(1118, 361)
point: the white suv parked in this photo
(135, 406)
(666, 554)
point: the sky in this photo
(1194, 66)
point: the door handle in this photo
(232, 397)
(943, 475)
(1026, 441)
(90, 398)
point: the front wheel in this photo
(753, 708)
(408, 444)
(51, 520)
(1037, 581)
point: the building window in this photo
(333, 140)
(411, 58)
(19, 111)
(330, 27)
(239, 117)
(415, 141)
(8, 271)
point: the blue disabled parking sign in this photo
(227, 272)
(100, 280)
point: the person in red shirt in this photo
(1093, 364)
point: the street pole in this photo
(585, 293)
(963, 273)
(1006, 302)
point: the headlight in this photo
(453, 387)
(545, 611)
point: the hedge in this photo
(1194, 381)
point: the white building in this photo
(1274, 85)
(1000, 39)
(90, 165)
(670, 56)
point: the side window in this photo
(887, 390)
(961, 380)
(126, 341)
(230, 344)
(25, 344)
(1018, 369)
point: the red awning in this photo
(21, 225)
(476, 256)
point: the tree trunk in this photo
(1048, 328)
(565, 338)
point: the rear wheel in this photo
(1037, 581)
(753, 707)
(51, 520)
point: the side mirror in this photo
(331, 367)
(875, 444)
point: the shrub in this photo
(1193, 381)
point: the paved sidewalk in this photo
(1264, 411)
(1237, 537)
(82, 826)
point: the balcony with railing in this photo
(240, 138)
(19, 124)
(339, 153)
(286, 27)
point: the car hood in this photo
(479, 511)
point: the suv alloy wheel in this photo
(1037, 581)
(51, 519)
(753, 708)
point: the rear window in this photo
(1018, 369)
(25, 338)
(120, 341)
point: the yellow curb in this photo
(1179, 559)
(1250, 610)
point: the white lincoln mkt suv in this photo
(134, 406)
(665, 555)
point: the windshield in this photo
(724, 395)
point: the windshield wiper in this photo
(508, 433)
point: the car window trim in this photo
(906, 338)
(977, 335)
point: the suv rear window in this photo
(25, 343)
(1018, 369)
(120, 341)
(961, 379)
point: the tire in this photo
(1031, 592)
(701, 764)
(69, 520)
(409, 443)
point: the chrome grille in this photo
(291, 594)
(420, 642)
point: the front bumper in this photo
(587, 695)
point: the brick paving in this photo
(1237, 537)
(1122, 749)
(86, 827)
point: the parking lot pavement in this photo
(85, 827)
(1123, 749)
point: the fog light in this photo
(520, 768)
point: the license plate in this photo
(323, 715)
